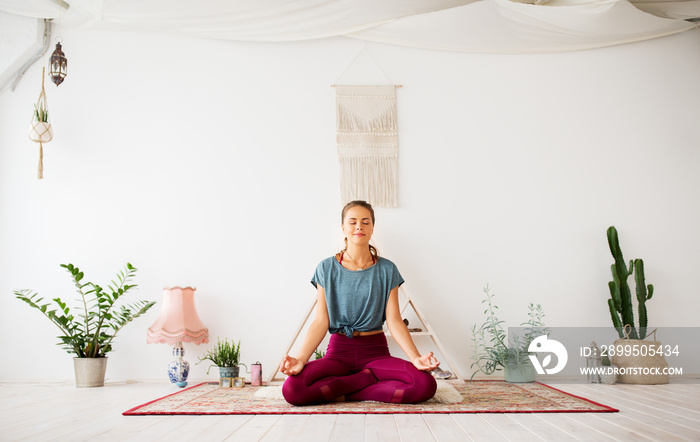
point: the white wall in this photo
(213, 164)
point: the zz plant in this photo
(88, 330)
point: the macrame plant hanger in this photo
(40, 131)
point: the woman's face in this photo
(357, 225)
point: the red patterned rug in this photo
(478, 397)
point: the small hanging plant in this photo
(41, 131)
(41, 115)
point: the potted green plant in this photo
(635, 350)
(620, 302)
(88, 333)
(226, 356)
(41, 113)
(493, 352)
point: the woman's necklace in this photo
(359, 267)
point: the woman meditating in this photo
(357, 291)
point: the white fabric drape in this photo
(502, 26)
(681, 10)
(526, 28)
(265, 20)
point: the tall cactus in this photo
(644, 293)
(620, 302)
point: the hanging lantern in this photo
(58, 65)
(40, 131)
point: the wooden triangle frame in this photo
(428, 332)
(408, 302)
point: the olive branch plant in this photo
(492, 351)
(88, 333)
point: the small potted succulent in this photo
(41, 131)
(226, 356)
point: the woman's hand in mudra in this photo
(291, 366)
(427, 362)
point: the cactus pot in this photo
(642, 362)
(522, 373)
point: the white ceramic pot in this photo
(41, 132)
(90, 372)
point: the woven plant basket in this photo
(641, 360)
(90, 372)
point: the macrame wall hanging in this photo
(367, 139)
(368, 146)
(40, 131)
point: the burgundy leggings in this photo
(361, 369)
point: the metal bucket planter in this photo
(90, 372)
(228, 372)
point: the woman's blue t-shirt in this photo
(356, 299)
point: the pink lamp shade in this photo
(178, 320)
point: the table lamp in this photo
(178, 322)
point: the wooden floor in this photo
(61, 412)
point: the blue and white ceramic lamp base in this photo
(178, 369)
